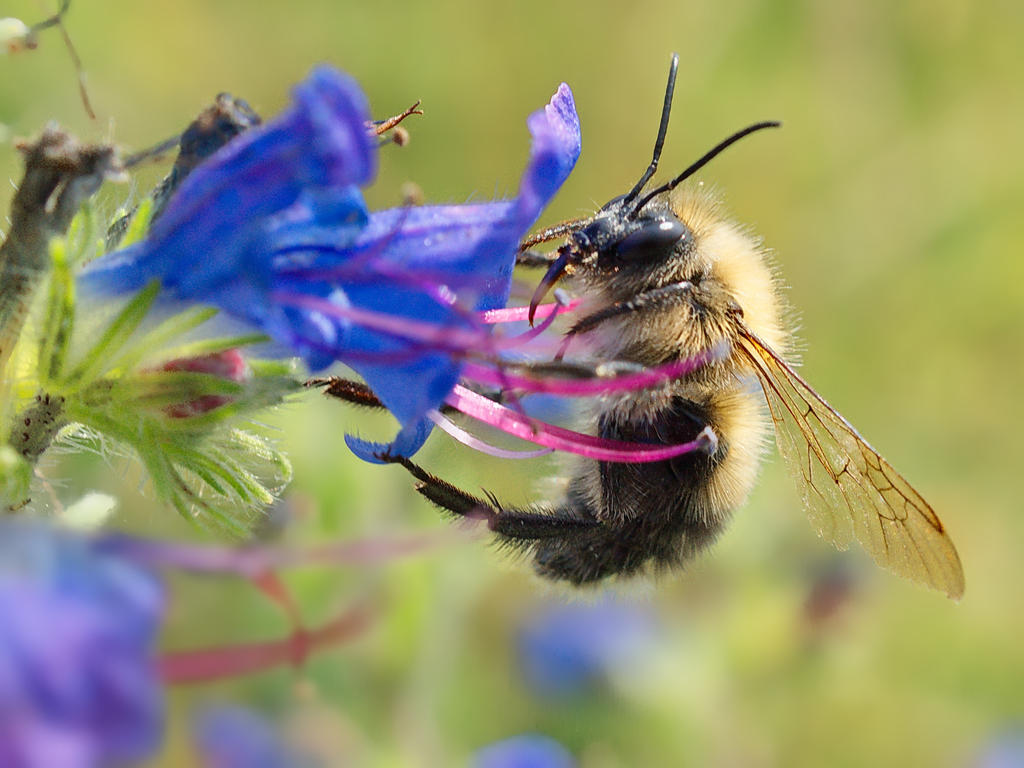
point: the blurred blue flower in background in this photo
(78, 679)
(232, 737)
(528, 750)
(273, 229)
(565, 649)
(1005, 750)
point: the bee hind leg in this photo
(516, 527)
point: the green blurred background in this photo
(892, 199)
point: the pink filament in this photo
(431, 335)
(561, 439)
(476, 443)
(520, 314)
(595, 386)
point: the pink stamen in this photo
(520, 314)
(559, 438)
(432, 336)
(595, 386)
(476, 443)
(532, 333)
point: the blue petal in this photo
(344, 152)
(565, 648)
(409, 379)
(553, 155)
(556, 147)
(322, 218)
(470, 248)
(231, 737)
(528, 750)
(409, 440)
(278, 211)
(212, 228)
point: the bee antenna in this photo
(705, 159)
(666, 109)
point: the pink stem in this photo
(208, 664)
(254, 562)
(270, 584)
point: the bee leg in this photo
(535, 259)
(667, 295)
(354, 392)
(358, 393)
(553, 233)
(576, 369)
(515, 526)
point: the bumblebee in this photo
(664, 277)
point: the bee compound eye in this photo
(652, 239)
(596, 236)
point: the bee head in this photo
(622, 239)
(636, 232)
(637, 228)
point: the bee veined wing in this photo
(849, 490)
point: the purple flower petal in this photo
(564, 649)
(78, 683)
(273, 230)
(212, 231)
(474, 244)
(231, 737)
(409, 440)
(528, 750)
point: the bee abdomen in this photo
(657, 513)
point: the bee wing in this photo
(849, 490)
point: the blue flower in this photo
(213, 235)
(78, 680)
(567, 648)
(1004, 750)
(231, 737)
(273, 229)
(525, 751)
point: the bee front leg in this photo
(652, 300)
(535, 259)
